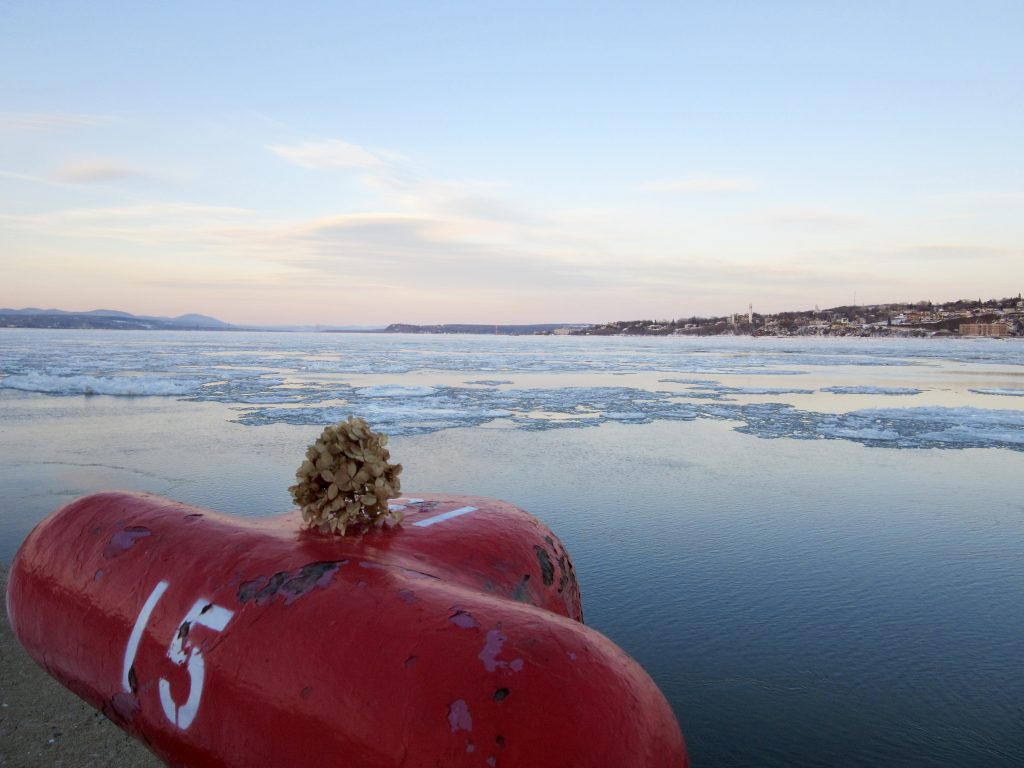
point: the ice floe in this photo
(122, 386)
(923, 427)
(864, 390)
(576, 407)
(395, 390)
(308, 379)
(726, 390)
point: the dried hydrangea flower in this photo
(346, 480)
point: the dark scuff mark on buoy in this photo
(564, 578)
(492, 647)
(519, 593)
(464, 619)
(459, 718)
(568, 586)
(290, 584)
(122, 707)
(410, 572)
(125, 540)
(408, 596)
(501, 694)
(306, 692)
(547, 570)
(260, 589)
(184, 629)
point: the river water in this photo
(814, 546)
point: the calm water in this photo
(815, 547)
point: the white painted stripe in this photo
(444, 516)
(136, 636)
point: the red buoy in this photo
(453, 639)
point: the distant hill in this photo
(113, 319)
(199, 321)
(106, 319)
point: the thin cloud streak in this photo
(446, 250)
(332, 154)
(954, 253)
(27, 177)
(48, 122)
(812, 218)
(146, 224)
(100, 169)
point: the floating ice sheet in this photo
(128, 385)
(924, 427)
(76, 352)
(395, 390)
(840, 390)
(304, 379)
(576, 407)
(726, 390)
(1005, 392)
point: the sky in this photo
(368, 163)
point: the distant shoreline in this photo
(895, 333)
(959, 319)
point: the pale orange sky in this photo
(313, 165)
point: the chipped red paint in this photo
(258, 642)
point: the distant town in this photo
(965, 317)
(995, 317)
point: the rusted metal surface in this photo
(454, 639)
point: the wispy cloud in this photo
(332, 154)
(148, 211)
(97, 169)
(956, 253)
(143, 224)
(48, 122)
(701, 184)
(26, 177)
(461, 208)
(440, 249)
(812, 218)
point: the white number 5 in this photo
(203, 613)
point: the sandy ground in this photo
(43, 725)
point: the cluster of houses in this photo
(961, 318)
(993, 318)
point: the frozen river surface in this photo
(815, 547)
